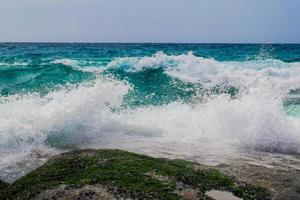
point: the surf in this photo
(155, 104)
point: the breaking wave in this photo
(77, 116)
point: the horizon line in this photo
(82, 42)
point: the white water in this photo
(82, 116)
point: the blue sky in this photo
(267, 21)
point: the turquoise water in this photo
(46, 67)
(147, 96)
(42, 68)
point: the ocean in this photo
(210, 103)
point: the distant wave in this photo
(75, 64)
(11, 64)
(209, 72)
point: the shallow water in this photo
(213, 103)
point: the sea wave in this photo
(210, 72)
(207, 71)
(255, 118)
(92, 112)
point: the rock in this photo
(114, 174)
(3, 185)
(87, 192)
(189, 194)
(221, 195)
(282, 184)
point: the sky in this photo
(188, 21)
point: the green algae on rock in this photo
(113, 174)
(3, 185)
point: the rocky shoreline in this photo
(284, 184)
(116, 174)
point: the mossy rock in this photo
(120, 174)
(3, 185)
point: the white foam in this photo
(246, 122)
(27, 121)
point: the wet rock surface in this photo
(87, 192)
(283, 184)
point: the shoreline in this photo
(282, 183)
(117, 174)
